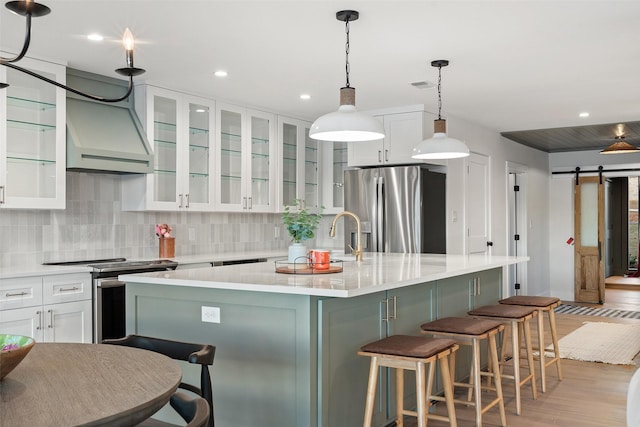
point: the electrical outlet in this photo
(211, 314)
(192, 233)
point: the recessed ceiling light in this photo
(584, 114)
(220, 73)
(305, 96)
(95, 37)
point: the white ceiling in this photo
(514, 65)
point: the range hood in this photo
(104, 137)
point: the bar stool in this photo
(470, 331)
(543, 305)
(517, 317)
(413, 353)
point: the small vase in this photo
(297, 254)
(167, 247)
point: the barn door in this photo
(589, 240)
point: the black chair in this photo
(194, 411)
(201, 354)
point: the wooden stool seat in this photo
(412, 353)
(517, 317)
(543, 305)
(469, 331)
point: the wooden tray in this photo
(282, 266)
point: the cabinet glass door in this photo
(31, 170)
(199, 153)
(165, 137)
(231, 157)
(339, 164)
(311, 178)
(260, 161)
(289, 163)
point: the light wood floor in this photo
(591, 394)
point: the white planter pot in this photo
(298, 254)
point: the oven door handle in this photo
(110, 284)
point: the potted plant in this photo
(301, 225)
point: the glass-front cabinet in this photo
(180, 129)
(334, 162)
(32, 138)
(246, 160)
(299, 170)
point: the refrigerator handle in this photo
(380, 213)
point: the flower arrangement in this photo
(300, 223)
(163, 230)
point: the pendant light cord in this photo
(439, 91)
(346, 50)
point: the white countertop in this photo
(378, 272)
(43, 270)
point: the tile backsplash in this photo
(93, 226)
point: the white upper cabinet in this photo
(32, 138)
(299, 171)
(245, 160)
(403, 131)
(180, 129)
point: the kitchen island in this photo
(287, 343)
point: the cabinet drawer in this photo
(20, 292)
(66, 288)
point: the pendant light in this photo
(440, 146)
(347, 124)
(620, 146)
(30, 9)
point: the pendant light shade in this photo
(440, 146)
(347, 124)
(620, 147)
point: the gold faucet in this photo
(332, 233)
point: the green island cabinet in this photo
(290, 359)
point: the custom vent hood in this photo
(104, 137)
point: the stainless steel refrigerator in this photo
(402, 209)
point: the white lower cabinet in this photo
(52, 308)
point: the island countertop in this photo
(378, 272)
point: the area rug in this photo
(595, 311)
(613, 343)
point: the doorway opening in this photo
(622, 238)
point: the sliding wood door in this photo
(589, 240)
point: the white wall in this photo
(501, 151)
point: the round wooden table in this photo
(86, 384)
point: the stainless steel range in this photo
(109, 292)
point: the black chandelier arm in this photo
(25, 46)
(67, 88)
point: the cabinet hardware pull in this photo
(75, 288)
(478, 281)
(187, 197)
(180, 196)
(385, 317)
(2, 198)
(395, 307)
(244, 203)
(386, 155)
(250, 203)
(39, 313)
(50, 318)
(379, 156)
(19, 294)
